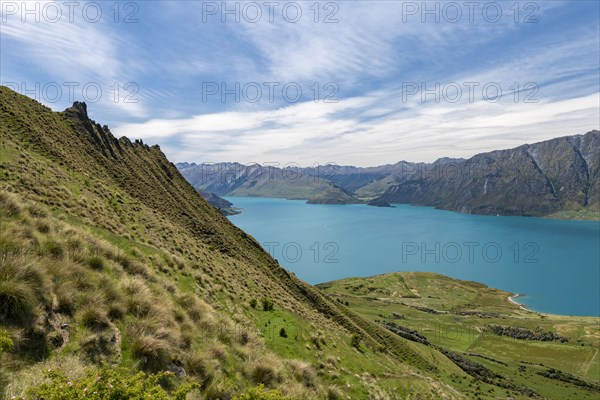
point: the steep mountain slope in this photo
(116, 258)
(540, 179)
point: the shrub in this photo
(267, 304)
(260, 393)
(283, 333)
(355, 341)
(253, 303)
(107, 384)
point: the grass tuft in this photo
(22, 285)
(152, 352)
(96, 262)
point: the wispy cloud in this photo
(370, 53)
(56, 44)
(309, 132)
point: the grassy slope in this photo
(192, 269)
(579, 215)
(376, 298)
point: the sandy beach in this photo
(521, 306)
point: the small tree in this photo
(283, 333)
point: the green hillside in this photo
(110, 256)
(480, 325)
(116, 277)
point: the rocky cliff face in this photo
(561, 174)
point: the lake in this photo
(555, 263)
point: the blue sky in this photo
(394, 82)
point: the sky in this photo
(313, 82)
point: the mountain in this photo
(556, 178)
(542, 179)
(235, 179)
(113, 263)
(224, 206)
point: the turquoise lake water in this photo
(555, 263)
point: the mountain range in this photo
(558, 178)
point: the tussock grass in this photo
(96, 262)
(11, 244)
(197, 365)
(220, 388)
(196, 309)
(216, 351)
(10, 204)
(23, 286)
(303, 372)
(154, 353)
(99, 348)
(53, 249)
(265, 371)
(66, 297)
(94, 317)
(334, 393)
(138, 296)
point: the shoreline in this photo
(512, 300)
